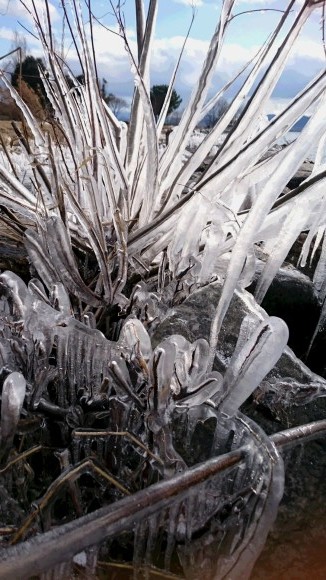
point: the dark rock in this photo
(13, 256)
(292, 297)
(302, 174)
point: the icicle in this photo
(76, 448)
(59, 572)
(140, 538)
(18, 291)
(184, 248)
(247, 328)
(13, 396)
(315, 229)
(60, 299)
(319, 326)
(288, 234)
(173, 518)
(215, 237)
(296, 155)
(153, 532)
(249, 269)
(252, 363)
(192, 507)
(133, 337)
(319, 275)
(162, 369)
(319, 237)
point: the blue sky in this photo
(245, 35)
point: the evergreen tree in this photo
(157, 95)
(30, 74)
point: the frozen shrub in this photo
(102, 208)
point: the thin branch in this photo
(323, 26)
(261, 10)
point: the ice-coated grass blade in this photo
(296, 155)
(191, 115)
(136, 117)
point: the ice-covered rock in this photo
(289, 385)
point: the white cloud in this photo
(16, 9)
(114, 63)
(252, 2)
(308, 48)
(7, 33)
(165, 55)
(190, 2)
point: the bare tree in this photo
(175, 117)
(216, 113)
(115, 103)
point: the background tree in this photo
(157, 95)
(29, 71)
(175, 116)
(115, 103)
(216, 113)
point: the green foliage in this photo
(158, 94)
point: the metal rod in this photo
(43, 552)
(295, 435)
